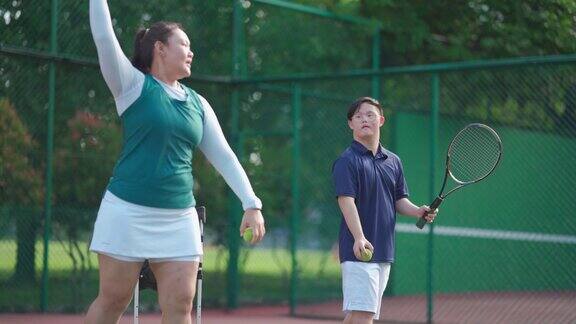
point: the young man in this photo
(371, 189)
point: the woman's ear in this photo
(159, 49)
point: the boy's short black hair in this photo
(358, 102)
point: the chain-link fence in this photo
(500, 251)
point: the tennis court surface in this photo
(552, 307)
(252, 315)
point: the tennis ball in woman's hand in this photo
(366, 255)
(248, 235)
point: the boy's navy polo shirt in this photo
(375, 183)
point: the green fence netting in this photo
(280, 78)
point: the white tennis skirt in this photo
(136, 231)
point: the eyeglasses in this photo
(370, 116)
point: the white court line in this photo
(483, 233)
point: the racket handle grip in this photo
(422, 221)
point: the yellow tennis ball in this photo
(248, 235)
(366, 255)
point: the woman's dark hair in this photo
(358, 102)
(145, 40)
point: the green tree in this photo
(86, 152)
(422, 32)
(21, 187)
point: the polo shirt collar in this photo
(361, 149)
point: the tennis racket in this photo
(472, 155)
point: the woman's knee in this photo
(179, 300)
(114, 298)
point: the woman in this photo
(148, 209)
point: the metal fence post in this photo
(376, 63)
(295, 220)
(435, 104)
(238, 69)
(49, 152)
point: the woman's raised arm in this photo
(124, 80)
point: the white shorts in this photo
(131, 232)
(152, 260)
(363, 285)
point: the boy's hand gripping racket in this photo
(472, 156)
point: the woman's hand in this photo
(253, 218)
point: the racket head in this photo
(473, 153)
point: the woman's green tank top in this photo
(159, 136)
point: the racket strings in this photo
(474, 153)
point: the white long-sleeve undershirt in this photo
(126, 83)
